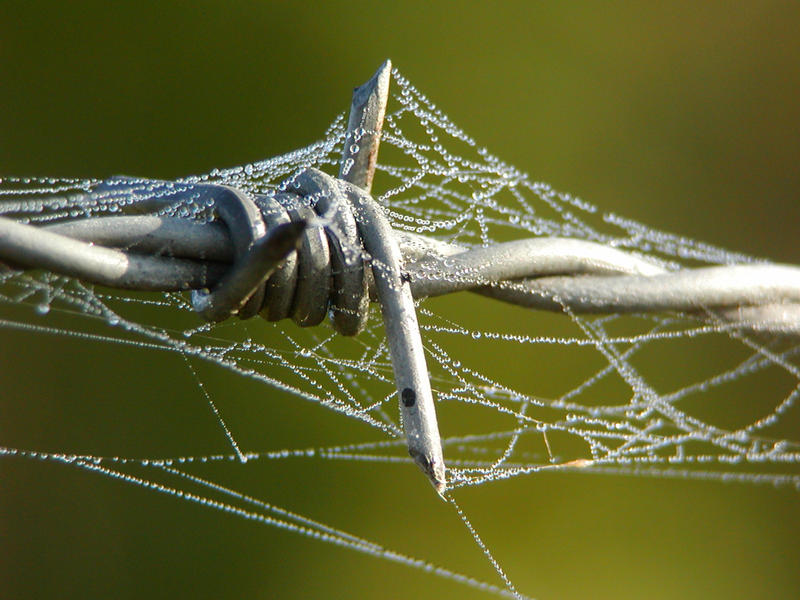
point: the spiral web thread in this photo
(615, 413)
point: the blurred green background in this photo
(682, 115)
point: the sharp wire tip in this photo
(357, 167)
(441, 489)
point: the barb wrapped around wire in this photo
(326, 271)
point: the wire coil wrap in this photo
(325, 274)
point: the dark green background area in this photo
(684, 117)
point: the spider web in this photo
(586, 394)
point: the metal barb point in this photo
(364, 127)
(394, 293)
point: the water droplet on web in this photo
(348, 164)
(42, 308)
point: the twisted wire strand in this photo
(164, 253)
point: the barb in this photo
(360, 154)
(391, 287)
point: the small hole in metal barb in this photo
(409, 397)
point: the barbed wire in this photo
(161, 253)
(291, 254)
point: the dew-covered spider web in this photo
(519, 392)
